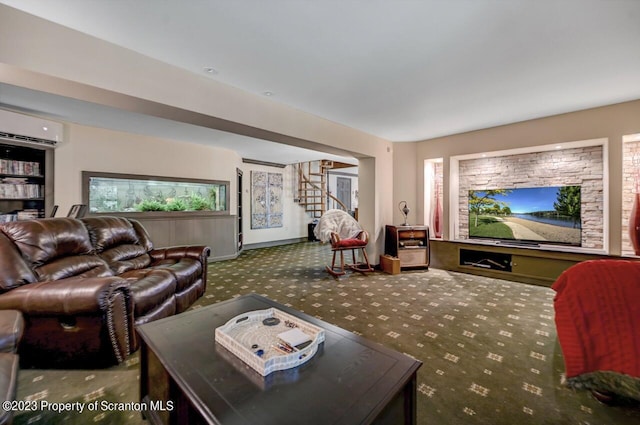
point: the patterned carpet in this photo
(489, 346)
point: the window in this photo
(111, 193)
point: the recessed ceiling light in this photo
(45, 128)
(210, 70)
(268, 93)
(558, 147)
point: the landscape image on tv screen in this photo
(529, 215)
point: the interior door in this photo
(343, 191)
(239, 235)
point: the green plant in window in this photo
(213, 195)
(198, 202)
(151, 205)
(176, 204)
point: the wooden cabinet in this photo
(409, 243)
(22, 182)
(520, 264)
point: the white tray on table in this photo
(244, 332)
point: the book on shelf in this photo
(17, 191)
(28, 214)
(5, 218)
(14, 180)
(26, 168)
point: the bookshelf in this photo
(24, 177)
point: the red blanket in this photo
(597, 314)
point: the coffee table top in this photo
(349, 380)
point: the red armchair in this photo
(597, 315)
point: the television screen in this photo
(533, 215)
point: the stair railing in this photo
(324, 194)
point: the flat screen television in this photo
(530, 215)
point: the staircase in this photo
(312, 187)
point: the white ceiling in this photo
(401, 70)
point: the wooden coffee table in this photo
(186, 378)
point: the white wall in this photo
(96, 149)
(295, 219)
(405, 181)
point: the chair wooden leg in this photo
(332, 270)
(366, 260)
(366, 266)
(355, 266)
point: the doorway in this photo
(343, 191)
(239, 182)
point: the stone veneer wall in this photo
(565, 167)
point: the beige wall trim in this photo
(273, 243)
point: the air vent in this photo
(26, 129)
(26, 139)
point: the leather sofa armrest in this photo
(8, 384)
(76, 295)
(11, 329)
(197, 252)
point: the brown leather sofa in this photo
(83, 285)
(11, 328)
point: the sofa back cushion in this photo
(126, 257)
(55, 248)
(14, 271)
(116, 241)
(143, 237)
(42, 241)
(74, 266)
(106, 232)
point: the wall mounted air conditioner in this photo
(26, 129)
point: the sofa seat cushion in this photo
(73, 266)
(149, 288)
(186, 270)
(166, 309)
(185, 298)
(123, 258)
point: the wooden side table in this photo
(409, 243)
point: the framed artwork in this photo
(266, 199)
(77, 211)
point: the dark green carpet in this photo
(489, 346)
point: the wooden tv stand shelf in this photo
(409, 243)
(517, 263)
